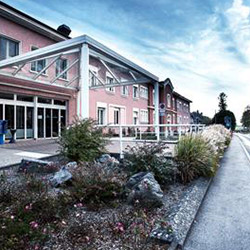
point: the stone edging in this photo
(183, 214)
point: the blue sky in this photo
(203, 46)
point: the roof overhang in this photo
(75, 43)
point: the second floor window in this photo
(144, 92)
(168, 100)
(8, 48)
(37, 66)
(61, 65)
(110, 80)
(125, 90)
(135, 91)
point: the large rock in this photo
(108, 160)
(37, 166)
(143, 188)
(60, 177)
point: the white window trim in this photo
(110, 76)
(138, 92)
(145, 88)
(14, 40)
(141, 120)
(105, 106)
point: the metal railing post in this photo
(120, 139)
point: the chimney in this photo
(64, 30)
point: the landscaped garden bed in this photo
(100, 203)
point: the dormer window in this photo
(169, 100)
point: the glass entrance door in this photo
(48, 123)
(1, 111)
(40, 122)
(20, 122)
(55, 122)
(9, 116)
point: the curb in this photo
(17, 164)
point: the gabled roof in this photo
(25, 20)
(181, 97)
(167, 82)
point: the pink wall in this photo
(116, 99)
(28, 38)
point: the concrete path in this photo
(223, 222)
(14, 153)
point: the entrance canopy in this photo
(80, 50)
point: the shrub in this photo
(26, 220)
(150, 157)
(218, 137)
(82, 141)
(96, 185)
(194, 157)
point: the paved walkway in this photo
(223, 222)
(14, 153)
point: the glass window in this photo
(135, 91)
(61, 65)
(20, 122)
(9, 116)
(44, 100)
(168, 100)
(63, 119)
(60, 102)
(116, 116)
(101, 116)
(135, 117)
(8, 48)
(29, 120)
(25, 98)
(48, 122)
(144, 92)
(6, 96)
(110, 80)
(125, 90)
(37, 66)
(55, 119)
(92, 78)
(144, 116)
(40, 122)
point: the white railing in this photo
(170, 133)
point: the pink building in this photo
(47, 79)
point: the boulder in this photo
(37, 166)
(143, 188)
(108, 160)
(62, 176)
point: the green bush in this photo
(194, 158)
(149, 157)
(82, 141)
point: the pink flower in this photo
(119, 227)
(28, 207)
(34, 224)
(78, 205)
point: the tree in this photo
(224, 115)
(222, 101)
(245, 120)
(198, 117)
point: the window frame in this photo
(10, 39)
(32, 48)
(144, 92)
(137, 91)
(59, 72)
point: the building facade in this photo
(48, 79)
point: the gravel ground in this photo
(85, 229)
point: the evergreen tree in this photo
(245, 120)
(222, 101)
